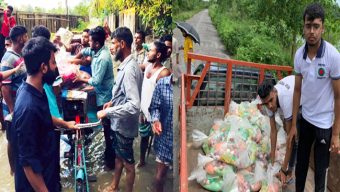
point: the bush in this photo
(261, 49)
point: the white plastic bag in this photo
(198, 138)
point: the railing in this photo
(183, 133)
(230, 63)
(187, 99)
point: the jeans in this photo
(321, 138)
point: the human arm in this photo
(273, 138)
(131, 89)
(154, 110)
(334, 147)
(64, 124)
(284, 167)
(7, 95)
(8, 73)
(28, 148)
(296, 106)
(164, 73)
(36, 180)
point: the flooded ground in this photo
(95, 163)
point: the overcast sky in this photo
(47, 4)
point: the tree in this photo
(154, 13)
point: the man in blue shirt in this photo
(102, 81)
(32, 132)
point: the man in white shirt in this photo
(279, 99)
(317, 64)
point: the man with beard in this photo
(317, 65)
(124, 107)
(32, 133)
(102, 81)
(153, 72)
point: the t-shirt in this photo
(9, 61)
(7, 25)
(317, 96)
(188, 44)
(285, 91)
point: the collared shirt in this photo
(34, 139)
(317, 96)
(161, 109)
(126, 94)
(102, 74)
(139, 56)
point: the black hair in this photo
(142, 33)
(123, 33)
(314, 11)
(86, 30)
(16, 32)
(10, 8)
(265, 88)
(8, 39)
(37, 51)
(41, 30)
(98, 34)
(161, 48)
(166, 38)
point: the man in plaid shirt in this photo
(161, 110)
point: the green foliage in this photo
(270, 27)
(81, 25)
(154, 13)
(81, 9)
(261, 49)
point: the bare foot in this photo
(110, 188)
(140, 164)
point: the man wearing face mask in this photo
(32, 133)
(102, 81)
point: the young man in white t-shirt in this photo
(279, 99)
(317, 65)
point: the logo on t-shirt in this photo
(321, 71)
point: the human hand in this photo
(19, 66)
(107, 105)
(157, 127)
(335, 148)
(101, 114)
(282, 177)
(71, 125)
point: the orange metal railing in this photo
(187, 99)
(183, 133)
(190, 98)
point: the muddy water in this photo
(95, 163)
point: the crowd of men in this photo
(139, 93)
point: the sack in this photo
(145, 129)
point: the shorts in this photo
(123, 146)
